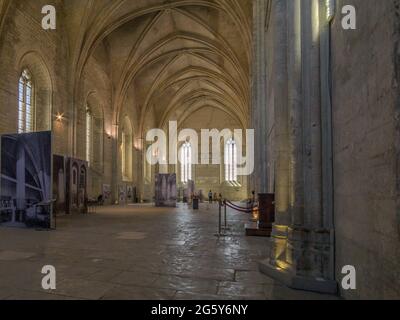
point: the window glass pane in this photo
(186, 162)
(231, 161)
(234, 162)
(182, 164)
(21, 90)
(26, 111)
(88, 137)
(21, 127)
(189, 163)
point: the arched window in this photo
(26, 108)
(231, 161)
(186, 162)
(89, 136)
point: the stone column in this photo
(296, 127)
(139, 160)
(115, 161)
(279, 69)
(259, 111)
(301, 246)
(327, 137)
(308, 241)
(295, 106)
(312, 113)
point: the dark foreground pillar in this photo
(266, 207)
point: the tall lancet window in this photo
(231, 161)
(89, 136)
(26, 108)
(186, 162)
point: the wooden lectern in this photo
(266, 207)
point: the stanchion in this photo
(220, 232)
(219, 219)
(225, 218)
(266, 210)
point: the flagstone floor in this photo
(140, 252)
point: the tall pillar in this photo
(139, 161)
(259, 111)
(115, 162)
(282, 218)
(301, 243)
(295, 105)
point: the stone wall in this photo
(20, 47)
(365, 105)
(212, 177)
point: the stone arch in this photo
(43, 89)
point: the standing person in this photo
(100, 200)
(210, 197)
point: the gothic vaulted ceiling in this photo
(172, 56)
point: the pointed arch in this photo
(35, 94)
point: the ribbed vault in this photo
(174, 57)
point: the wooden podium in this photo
(266, 207)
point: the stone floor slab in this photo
(15, 255)
(140, 252)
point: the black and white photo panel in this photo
(26, 186)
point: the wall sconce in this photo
(108, 135)
(138, 144)
(330, 9)
(59, 117)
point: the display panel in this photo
(26, 191)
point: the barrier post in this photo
(225, 217)
(219, 219)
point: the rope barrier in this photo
(237, 208)
(225, 204)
